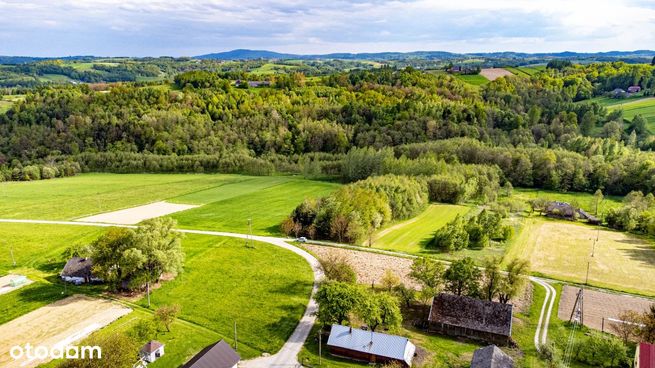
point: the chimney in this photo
(350, 330)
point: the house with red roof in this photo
(645, 355)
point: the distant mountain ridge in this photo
(245, 54)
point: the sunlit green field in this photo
(222, 283)
(586, 201)
(644, 107)
(228, 201)
(473, 79)
(411, 236)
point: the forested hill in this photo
(533, 128)
(245, 54)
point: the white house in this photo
(152, 351)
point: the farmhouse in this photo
(566, 211)
(219, 355)
(78, 271)
(491, 357)
(472, 318)
(634, 89)
(645, 356)
(368, 346)
(618, 93)
(151, 351)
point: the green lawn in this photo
(412, 235)
(229, 200)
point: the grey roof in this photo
(219, 355)
(491, 357)
(379, 344)
(151, 346)
(472, 313)
(78, 267)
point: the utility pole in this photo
(236, 343)
(11, 251)
(148, 291)
(320, 343)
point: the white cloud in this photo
(178, 27)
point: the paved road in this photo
(288, 354)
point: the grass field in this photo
(411, 236)
(228, 200)
(6, 102)
(562, 250)
(526, 71)
(473, 79)
(586, 201)
(221, 283)
(644, 107)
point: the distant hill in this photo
(244, 54)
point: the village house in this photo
(563, 210)
(218, 355)
(151, 351)
(634, 89)
(78, 271)
(369, 346)
(491, 357)
(645, 356)
(472, 318)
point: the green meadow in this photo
(473, 79)
(644, 107)
(222, 283)
(228, 201)
(412, 235)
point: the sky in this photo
(189, 28)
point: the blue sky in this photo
(187, 28)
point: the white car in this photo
(302, 239)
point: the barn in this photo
(218, 355)
(369, 346)
(491, 357)
(473, 318)
(78, 271)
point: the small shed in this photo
(491, 357)
(645, 356)
(369, 346)
(18, 281)
(218, 355)
(78, 270)
(151, 351)
(473, 318)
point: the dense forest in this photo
(529, 130)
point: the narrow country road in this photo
(541, 333)
(288, 354)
